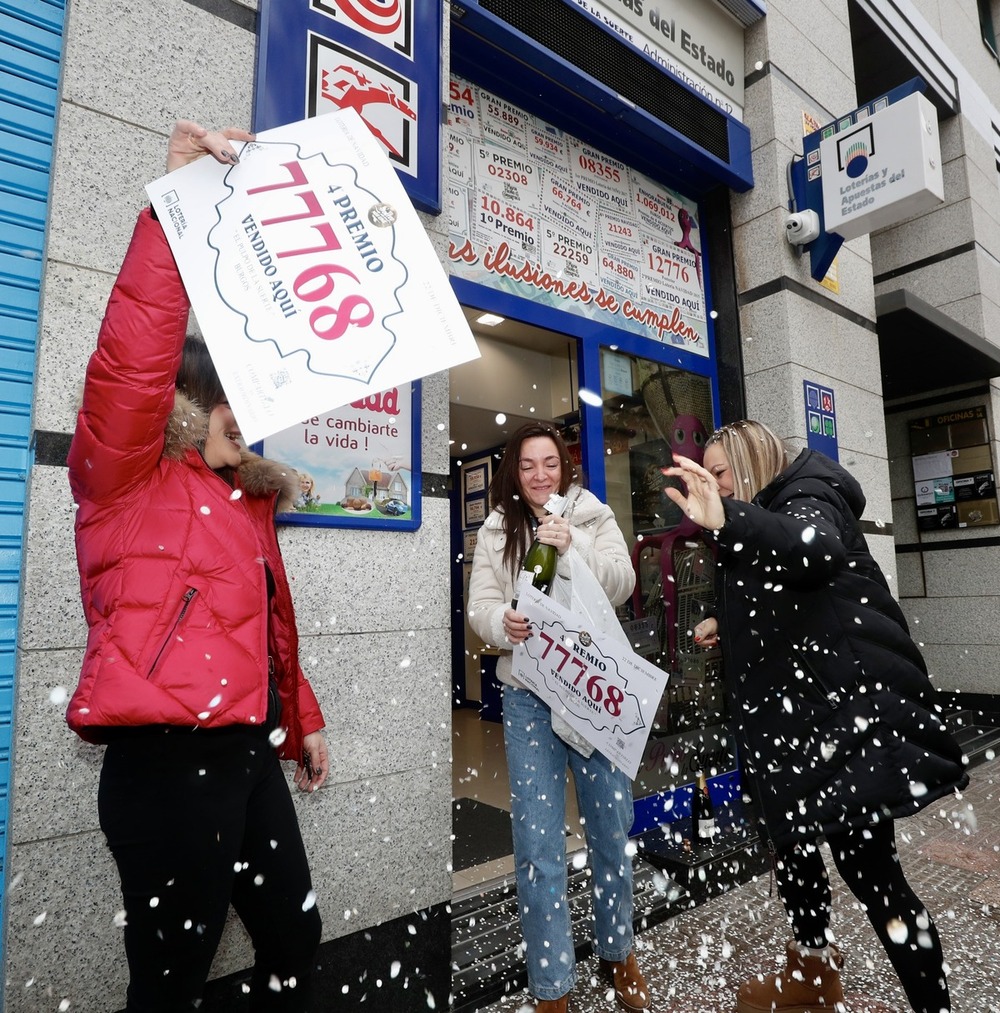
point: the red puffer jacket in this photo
(172, 559)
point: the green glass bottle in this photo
(702, 811)
(539, 563)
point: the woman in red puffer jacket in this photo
(191, 674)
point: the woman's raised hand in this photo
(190, 140)
(702, 504)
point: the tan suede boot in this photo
(808, 984)
(560, 1005)
(631, 990)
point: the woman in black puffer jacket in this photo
(838, 729)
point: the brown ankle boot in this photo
(631, 990)
(560, 1005)
(808, 984)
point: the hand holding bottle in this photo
(539, 563)
(556, 531)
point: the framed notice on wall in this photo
(953, 478)
(476, 477)
(381, 58)
(359, 466)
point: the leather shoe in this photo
(631, 990)
(560, 1005)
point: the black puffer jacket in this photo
(836, 717)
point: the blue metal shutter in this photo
(31, 43)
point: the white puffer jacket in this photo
(597, 539)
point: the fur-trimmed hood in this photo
(187, 429)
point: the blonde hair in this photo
(756, 456)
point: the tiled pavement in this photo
(951, 853)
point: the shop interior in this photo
(647, 410)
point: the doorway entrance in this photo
(525, 373)
(623, 409)
(624, 404)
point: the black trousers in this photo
(867, 861)
(196, 821)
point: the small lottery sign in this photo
(595, 683)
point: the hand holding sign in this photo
(190, 141)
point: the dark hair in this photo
(197, 378)
(505, 489)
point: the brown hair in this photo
(505, 489)
(756, 456)
(197, 377)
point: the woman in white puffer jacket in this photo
(534, 466)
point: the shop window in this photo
(652, 411)
(989, 17)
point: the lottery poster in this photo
(533, 211)
(358, 466)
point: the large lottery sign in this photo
(534, 211)
(597, 685)
(311, 275)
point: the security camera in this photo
(802, 227)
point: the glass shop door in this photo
(650, 410)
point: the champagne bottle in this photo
(702, 811)
(539, 564)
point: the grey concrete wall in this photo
(799, 61)
(372, 606)
(948, 594)
(956, 24)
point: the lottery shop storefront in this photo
(581, 207)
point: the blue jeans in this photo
(536, 761)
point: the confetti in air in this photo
(897, 930)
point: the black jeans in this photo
(197, 820)
(867, 861)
